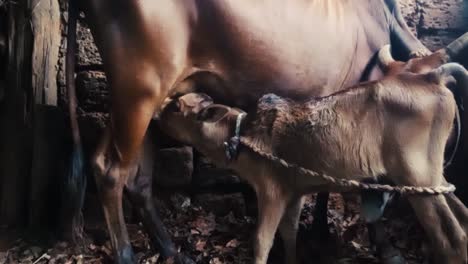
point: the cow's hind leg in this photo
(447, 237)
(140, 191)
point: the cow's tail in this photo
(75, 182)
(460, 90)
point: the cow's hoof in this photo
(182, 259)
(125, 256)
(395, 258)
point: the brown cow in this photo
(235, 50)
(396, 127)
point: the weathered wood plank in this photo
(46, 31)
(48, 125)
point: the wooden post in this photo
(48, 123)
(14, 156)
(48, 154)
(31, 127)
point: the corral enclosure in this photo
(435, 22)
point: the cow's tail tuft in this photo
(75, 182)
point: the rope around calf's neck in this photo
(353, 184)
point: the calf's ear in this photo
(213, 113)
(193, 103)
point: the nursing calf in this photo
(395, 128)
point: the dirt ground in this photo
(214, 229)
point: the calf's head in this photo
(195, 120)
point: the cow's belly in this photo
(248, 47)
(282, 48)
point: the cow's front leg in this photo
(133, 106)
(110, 179)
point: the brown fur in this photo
(397, 127)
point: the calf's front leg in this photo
(288, 229)
(447, 237)
(459, 210)
(271, 207)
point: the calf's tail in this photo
(460, 91)
(75, 181)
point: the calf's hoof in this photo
(182, 259)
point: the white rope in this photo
(352, 184)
